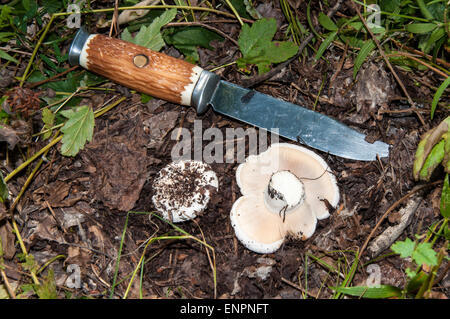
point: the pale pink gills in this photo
(183, 189)
(284, 190)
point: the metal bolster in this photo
(77, 45)
(204, 90)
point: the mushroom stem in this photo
(284, 193)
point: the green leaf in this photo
(416, 282)
(48, 117)
(433, 39)
(186, 40)
(432, 161)
(445, 198)
(150, 36)
(257, 47)
(376, 292)
(325, 44)
(47, 289)
(366, 49)
(420, 28)
(3, 189)
(326, 22)
(6, 56)
(403, 248)
(425, 254)
(441, 89)
(78, 129)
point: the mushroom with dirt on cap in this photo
(284, 193)
(183, 189)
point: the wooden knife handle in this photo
(139, 68)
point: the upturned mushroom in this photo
(284, 192)
(183, 189)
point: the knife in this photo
(180, 82)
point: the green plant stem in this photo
(238, 17)
(36, 48)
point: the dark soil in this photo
(78, 206)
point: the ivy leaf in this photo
(257, 47)
(78, 129)
(425, 254)
(403, 248)
(150, 36)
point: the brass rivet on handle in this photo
(140, 60)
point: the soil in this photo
(77, 207)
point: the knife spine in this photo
(156, 74)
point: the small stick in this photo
(390, 209)
(34, 84)
(294, 285)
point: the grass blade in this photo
(438, 94)
(366, 49)
(325, 44)
(378, 292)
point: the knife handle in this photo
(144, 70)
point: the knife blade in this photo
(178, 81)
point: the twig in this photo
(250, 82)
(34, 84)
(294, 285)
(410, 56)
(390, 209)
(429, 57)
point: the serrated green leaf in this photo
(377, 292)
(425, 254)
(325, 44)
(366, 49)
(257, 47)
(6, 56)
(3, 189)
(403, 248)
(78, 129)
(420, 28)
(150, 36)
(47, 288)
(326, 22)
(445, 198)
(441, 89)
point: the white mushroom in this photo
(183, 189)
(284, 191)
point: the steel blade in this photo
(295, 123)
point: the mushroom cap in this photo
(254, 175)
(183, 189)
(262, 231)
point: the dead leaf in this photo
(119, 156)
(7, 237)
